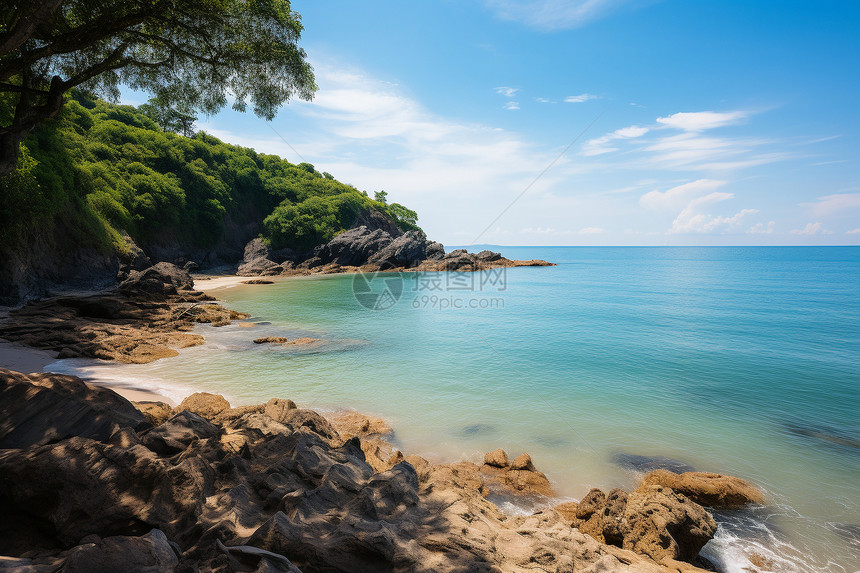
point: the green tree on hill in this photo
(189, 53)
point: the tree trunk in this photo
(10, 146)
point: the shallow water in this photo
(735, 360)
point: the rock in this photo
(354, 247)
(664, 524)
(529, 482)
(488, 256)
(351, 424)
(161, 279)
(258, 282)
(156, 412)
(277, 409)
(653, 521)
(177, 433)
(256, 260)
(434, 251)
(647, 464)
(497, 458)
(132, 260)
(523, 462)
(205, 404)
(298, 418)
(407, 250)
(151, 553)
(79, 487)
(712, 490)
(41, 408)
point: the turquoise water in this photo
(743, 361)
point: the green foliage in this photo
(381, 196)
(405, 219)
(106, 168)
(190, 53)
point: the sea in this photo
(737, 360)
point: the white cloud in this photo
(544, 100)
(680, 196)
(506, 91)
(554, 14)
(762, 229)
(840, 203)
(601, 145)
(591, 231)
(512, 105)
(690, 222)
(853, 232)
(702, 120)
(580, 98)
(811, 229)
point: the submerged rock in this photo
(647, 464)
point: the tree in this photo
(189, 53)
(169, 118)
(381, 196)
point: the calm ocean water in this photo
(743, 361)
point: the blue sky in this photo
(660, 122)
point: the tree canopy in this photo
(191, 54)
(104, 169)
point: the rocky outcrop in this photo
(41, 408)
(246, 491)
(518, 477)
(205, 404)
(711, 490)
(407, 250)
(161, 280)
(260, 260)
(653, 521)
(353, 248)
(142, 323)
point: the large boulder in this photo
(711, 490)
(257, 260)
(151, 553)
(160, 279)
(354, 247)
(41, 408)
(407, 250)
(179, 432)
(205, 404)
(653, 521)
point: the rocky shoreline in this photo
(92, 482)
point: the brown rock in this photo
(205, 404)
(41, 408)
(151, 552)
(497, 458)
(277, 409)
(247, 324)
(349, 424)
(712, 490)
(529, 482)
(299, 418)
(523, 462)
(664, 524)
(155, 412)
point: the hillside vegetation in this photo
(101, 169)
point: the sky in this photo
(585, 122)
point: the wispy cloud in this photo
(811, 229)
(601, 145)
(507, 91)
(680, 196)
(512, 105)
(580, 98)
(840, 203)
(853, 232)
(702, 120)
(555, 14)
